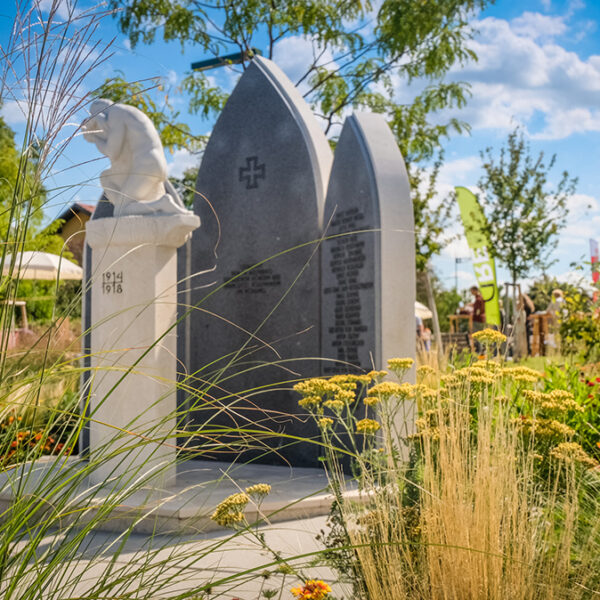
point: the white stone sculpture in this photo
(136, 182)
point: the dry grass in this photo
(473, 517)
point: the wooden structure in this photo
(455, 321)
(539, 333)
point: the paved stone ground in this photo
(186, 563)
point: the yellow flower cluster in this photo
(428, 425)
(489, 336)
(386, 389)
(522, 371)
(258, 489)
(487, 366)
(317, 387)
(325, 422)
(476, 375)
(377, 375)
(345, 382)
(346, 396)
(424, 371)
(482, 378)
(451, 382)
(545, 428)
(570, 452)
(556, 402)
(312, 590)
(310, 402)
(427, 393)
(367, 426)
(562, 401)
(335, 405)
(231, 510)
(400, 365)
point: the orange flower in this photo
(312, 590)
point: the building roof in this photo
(75, 209)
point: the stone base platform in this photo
(184, 508)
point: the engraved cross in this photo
(252, 172)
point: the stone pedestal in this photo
(133, 343)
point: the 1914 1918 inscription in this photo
(112, 282)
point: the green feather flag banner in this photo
(483, 261)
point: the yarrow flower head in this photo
(489, 336)
(335, 405)
(424, 371)
(346, 396)
(309, 402)
(400, 365)
(345, 382)
(317, 387)
(384, 390)
(231, 510)
(570, 452)
(259, 490)
(325, 422)
(367, 426)
(523, 374)
(314, 589)
(377, 375)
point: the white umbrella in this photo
(422, 311)
(42, 265)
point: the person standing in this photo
(477, 309)
(478, 314)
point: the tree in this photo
(524, 215)
(30, 205)
(359, 53)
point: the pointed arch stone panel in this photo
(368, 260)
(260, 196)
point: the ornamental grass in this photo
(490, 496)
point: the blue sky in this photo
(539, 67)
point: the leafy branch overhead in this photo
(361, 54)
(524, 214)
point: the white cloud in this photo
(523, 77)
(182, 161)
(296, 53)
(577, 278)
(536, 25)
(64, 9)
(127, 44)
(172, 77)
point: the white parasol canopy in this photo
(42, 265)
(422, 311)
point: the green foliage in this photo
(186, 186)
(372, 47)
(540, 290)
(584, 383)
(523, 214)
(20, 194)
(173, 134)
(580, 327)
(430, 224)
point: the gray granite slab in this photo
(368, 260)
(260, 194)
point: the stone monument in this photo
(368, 258)
(133, 303)
(260, 194)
